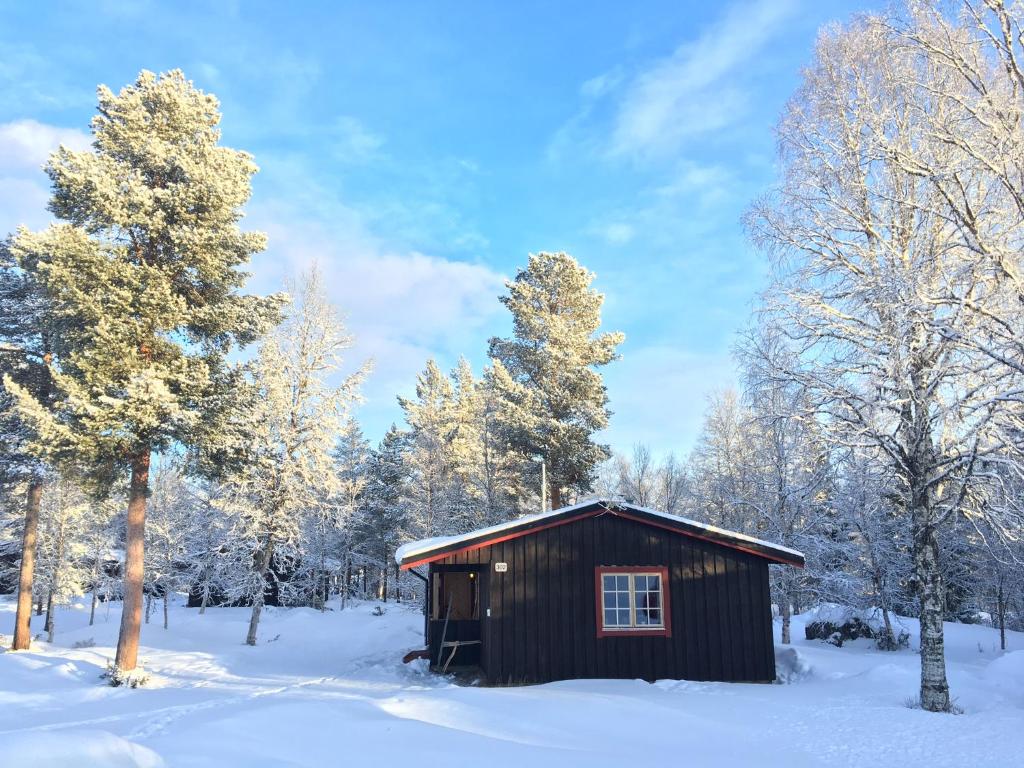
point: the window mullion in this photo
(632, 601)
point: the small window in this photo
(632, 601)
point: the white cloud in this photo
(697, 89)
(25, 146)
(701, 87)
(354, 142)
(403, 306)
(615, 233)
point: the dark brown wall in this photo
(543, 618)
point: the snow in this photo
(423, 546)
(330, 688)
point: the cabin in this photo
(601, 589)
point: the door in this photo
(457, 597)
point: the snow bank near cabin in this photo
(80, 748)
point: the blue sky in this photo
(420, 150)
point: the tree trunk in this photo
(131, 614)
(262, 565)
(1001, 613)
(166, 595)
(48, 626)
(786, 615)
(556, 496)
(22, 628)
(149, 605)
(934, 686)
(92, 606)
(202, 603)
(398, 589)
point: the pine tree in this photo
(554, 399)
(145, 262)
(429, 458)
(383, 518)
(26, 348)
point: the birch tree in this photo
(145, 260)
(869, 281)
(297, 414)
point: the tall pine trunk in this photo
(92, 606)
(934, 686)
(262, 566)
(127, 657)
(166, 594)
(22, 621)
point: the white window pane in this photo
(654, 616)
(609, 600)
(654, 583)
(653, 600)
(608, 582)
(622, 583)
(640, 583)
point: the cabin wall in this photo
(543, 623)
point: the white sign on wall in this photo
(500, 567)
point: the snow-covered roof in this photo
(434, 548)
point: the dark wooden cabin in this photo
(603, 589)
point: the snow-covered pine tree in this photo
(429, 455)
(296, 417)
(383, 520)
(553, 397)
(146, 261)
(26, 332)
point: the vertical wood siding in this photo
(543, 626)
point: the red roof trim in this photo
(730, 545)
(515, 534)
(499, 539)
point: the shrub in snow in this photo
(90, 643)
(378, 611)
(132, 678)
(836, 624)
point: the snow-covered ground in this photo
(330, 689)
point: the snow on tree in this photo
(146, 261)
(383, 519)
(170, 525)
(428, 456)
(26, 329)
(61, 567)
(869, 278)
(554, 399)
(295, 418)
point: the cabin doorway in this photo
(457, 598)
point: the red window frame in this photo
(666, 607)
